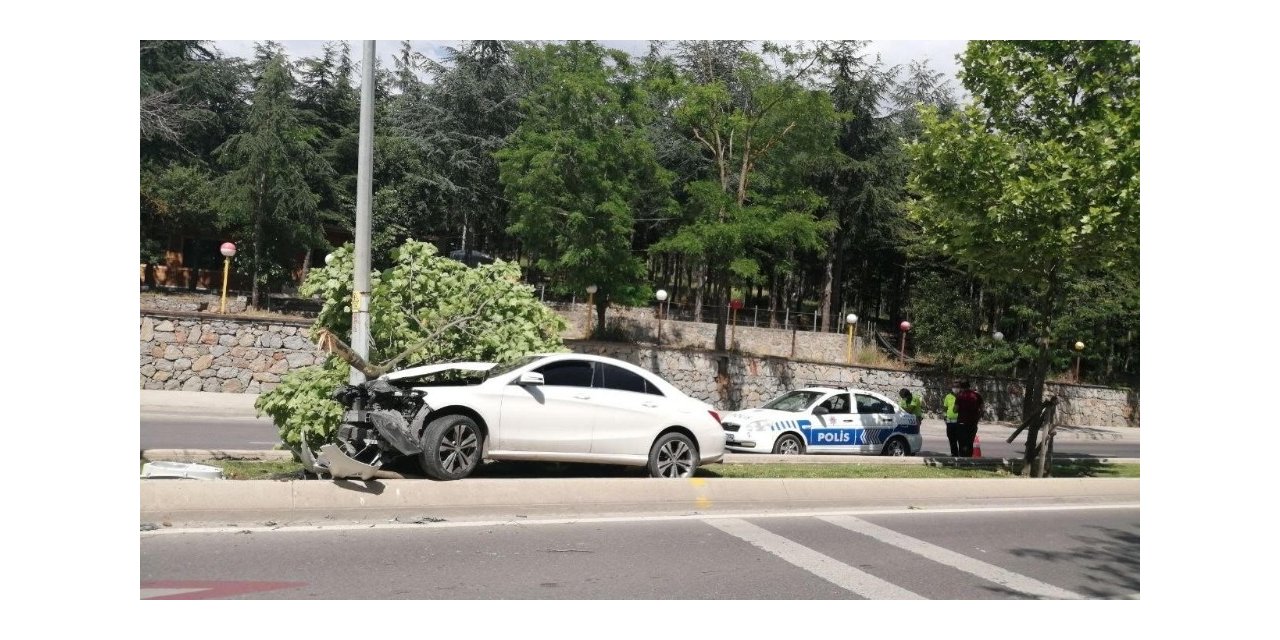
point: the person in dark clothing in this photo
(969, 408)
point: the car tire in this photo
(673, 455)
(451, 447)
(896, 447)
(789, 444)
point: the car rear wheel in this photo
(450, 447)
(896, 447)
(673, 456)
(789, 444)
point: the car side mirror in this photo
(820, 411)
(530, 377)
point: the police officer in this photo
(911, 404)
(952, 417)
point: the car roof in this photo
(833, 389)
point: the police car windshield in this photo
(794, 401)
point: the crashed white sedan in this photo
(562, 407)
(824, 419)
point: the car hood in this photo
(748, 416)
(437, 368)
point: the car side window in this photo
(868, 404)
(566, 373)
(839, 403)
(622, 380)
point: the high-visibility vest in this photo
(913, 407)
(949, 406)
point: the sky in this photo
(940, 53)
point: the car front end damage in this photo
(380, 425)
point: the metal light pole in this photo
(1079, 348)
(852, 320)
(661, 295)
(905, 326)
(228, 250)
(364, 211)
(591, 300)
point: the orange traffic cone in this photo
(977, 447)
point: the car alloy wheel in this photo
(673, 456)
(789, 445)
(895, 447)
(451, 447)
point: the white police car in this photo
(824, 419)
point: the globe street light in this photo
(661, 295)
(1079, 348)
(905, 326)
(591, 297)
(852, 321)
(997, 336)
(328, 258)
(227, 250)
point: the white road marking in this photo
(989, 572)
(823, 566)
(534, 521)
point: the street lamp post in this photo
(591, 298)
(852, 320)
(228, 250)
(1079, 348)
(661, 295)
(905, 326)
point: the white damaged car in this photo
(822, 420)
(561, 407)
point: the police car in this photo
(822, 420)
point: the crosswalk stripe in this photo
(989, 572)
(825, 567)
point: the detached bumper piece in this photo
(366, 439)
(340, 465)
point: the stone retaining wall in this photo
(233, 354)
(209, 352)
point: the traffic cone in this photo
(977, 447)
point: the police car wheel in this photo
(895, 447)
(788, 445)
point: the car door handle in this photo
(651, 405)
(583, 396)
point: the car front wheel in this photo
(789, 445)
(895, 447)
(450, 447)
(673, 456)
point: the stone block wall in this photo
(210, 352)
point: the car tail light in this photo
(714, 415)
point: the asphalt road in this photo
(1050, 552)
(176, 429)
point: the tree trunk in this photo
(257, 242)
(827, 281)
(602, 303)
(773, 298)
(306, 264)
(722, 304)
(699, 282)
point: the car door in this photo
(876, 417)
(837, 428)
(554, 417)
(630, 414)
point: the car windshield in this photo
(510, 366)
(793, 401)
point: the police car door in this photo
(876, 417)
(836, 429)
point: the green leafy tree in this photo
(423, 309)
(1036, 186)
(762, 130)
(580, 167)
(269, 196)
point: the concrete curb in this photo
(188, 503)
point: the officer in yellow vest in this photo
(911, 404)
(953, 420)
